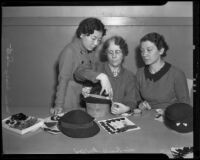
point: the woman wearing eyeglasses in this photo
(122, 80)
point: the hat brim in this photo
(181, 129)
(80, 133)
(97, 100)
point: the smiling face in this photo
(114, 55)
(150, 53)
(90, 42)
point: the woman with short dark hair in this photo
(159, 82)
(77, 53)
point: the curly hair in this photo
(119, 41)
(158, 40)
(87, 26)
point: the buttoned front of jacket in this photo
(68, 91)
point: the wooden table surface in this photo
(153, 137)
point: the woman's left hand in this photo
(119, 108)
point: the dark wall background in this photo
(29, 70)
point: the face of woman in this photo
(150, 53)
(114, 55)
(90, 42)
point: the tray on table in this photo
(31, 124)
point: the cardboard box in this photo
(32, 128)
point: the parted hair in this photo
(88, 25)
(158, 40)
(119, 41)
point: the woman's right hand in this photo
(119, 108)
(105, 84)
(144, 105)
(56, 110)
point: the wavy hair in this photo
(119, 41)
(87, 26)
(158, 40)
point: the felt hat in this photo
(179, 117)
(97, 105)
(78, 124)
(95, 97)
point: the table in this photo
(153, 137)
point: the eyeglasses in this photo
(116, 52)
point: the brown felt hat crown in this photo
(78, 124)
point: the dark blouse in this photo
(167, 86)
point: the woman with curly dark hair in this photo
(77, 53)
(159, 82)
(115, 49)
